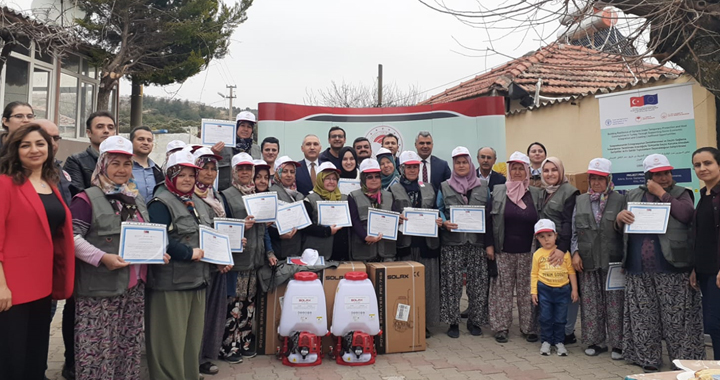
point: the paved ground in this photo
(468, 357)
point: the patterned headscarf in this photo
(320, 190)
(292, 189)
(601, 197)
(121, 196)
(412, 188)
(171, 175)
(374, 196)
(243, 189)
(206, 192)
(388, 179)
(561, 173)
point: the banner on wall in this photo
(635, 124)
(471, 123)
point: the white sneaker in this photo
(561, 350)
(545, 349)
(617, 355)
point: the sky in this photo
(287, 48)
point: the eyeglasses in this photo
(21, 116)
(372, 176)
(56, 138)
(337, 136)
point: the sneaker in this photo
(453, 331)
(545, 349)
(473, 329)
(233, 359)
(532, 338)
(501, 336)
(595, 350)
(570, 339)
(561, 350)
(250, 353)
(208, 368)
(617, 354)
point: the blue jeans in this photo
(553, 308)
(711, 310)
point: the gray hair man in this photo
(432, 169)
(487, 156)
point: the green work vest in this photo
(478, 197)
(253, 254)
(104, 234)
(324, 245)
(598, 243)
(499, 199)
(402, 200)
(287, 247)
(553, 208)
(359, 250)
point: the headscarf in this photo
(561, 173)
(292, 189)
(206, 192)
(412, 188)
(243, 189)
(388, 179)
(267, 169)
(601, 197)
(463, 184)
(320, 190)
(375, 197)
(171, 184)
(516, 189)
(242, 145)
(344, 173)
(122, 196)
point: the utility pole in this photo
(230, 112)
(380, 85)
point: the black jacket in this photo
(64, 185)
(80, 167)
(495, 179)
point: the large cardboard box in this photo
(331, 278)
(580, 181)
(400, 289)
(269, 306)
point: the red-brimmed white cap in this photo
(261, 164)
(173, 145)
(242, 159)
(182, 158)
(369, 166)
(656, 163)
(205, 151)
(544, 225)
(460, 151)
(409, 157)
(600, 166)
(116, 144)
(284, 160)
(309, 257)
(327, 165)
(245, 116)
(519, 157)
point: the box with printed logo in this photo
(269, 306)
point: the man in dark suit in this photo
(432, 169)
(307, 172)
(486, 157)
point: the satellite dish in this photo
(56, 12)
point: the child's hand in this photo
(535, 299)
(574, 295)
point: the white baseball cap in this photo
(205, 151)
(656, 163)
(242, 159)
(261, 164)
(327, 165)
(544, 225)
(519, 157)
(116, 144)
(600, 166)
(309, 257)
(284, 160)
(246, 116)
(409, 157)
(182, 158)
(369, 166)
(460, 151)
(382, 151)
(173, 145)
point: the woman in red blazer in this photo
(37, 254)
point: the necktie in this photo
(312, 172)
(425, 178)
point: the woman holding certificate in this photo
(423, 249)
(289, 244)
(364, 247)
(660, 304)
(37, 255)
(175, 302)
(331, 242)
(390, 175)
(464, 251)
(514, 213)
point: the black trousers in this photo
(68, 332)
(24, 340)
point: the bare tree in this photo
(347, 95)
(685, 33)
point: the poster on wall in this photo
(635, 124)
(471, 123)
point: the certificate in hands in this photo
(348, 185)
(468, 218)
(291, 215)
(334, 213)
(615, 277)
(650, 218)
(216, 247)
(420, 222)
(143, 243)
(262, 206)
(234, 229)
(215, 131)
(383, 222)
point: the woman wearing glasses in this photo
(15, 115)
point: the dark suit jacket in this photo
(495, 179)
(302, 178)
(439, 171)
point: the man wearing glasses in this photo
(336, 140)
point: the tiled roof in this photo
(566, 71)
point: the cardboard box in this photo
(580, 181)
(331, 278)
(267, 316)
(400, 289)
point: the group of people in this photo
(546, 247)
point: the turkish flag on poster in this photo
(637, 101)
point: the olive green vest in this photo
(359, 250)
(185, 228)
(253, 254)
(676, 243)
(324, 245)
(402, 200)
(287, 247)
(598, 244)
(104, 234)
(499, 199)
(553, 208)
(225, 168)
(478, 197)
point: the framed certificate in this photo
(234, 229)
(615, 277)
(348, 185)
(214, 131)
(650, 218)
(468, 218)
(262, 206)
(383, 222)
(143, 243)
(216, 247)
(291, 215)
(420, 222)
(334, 213)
